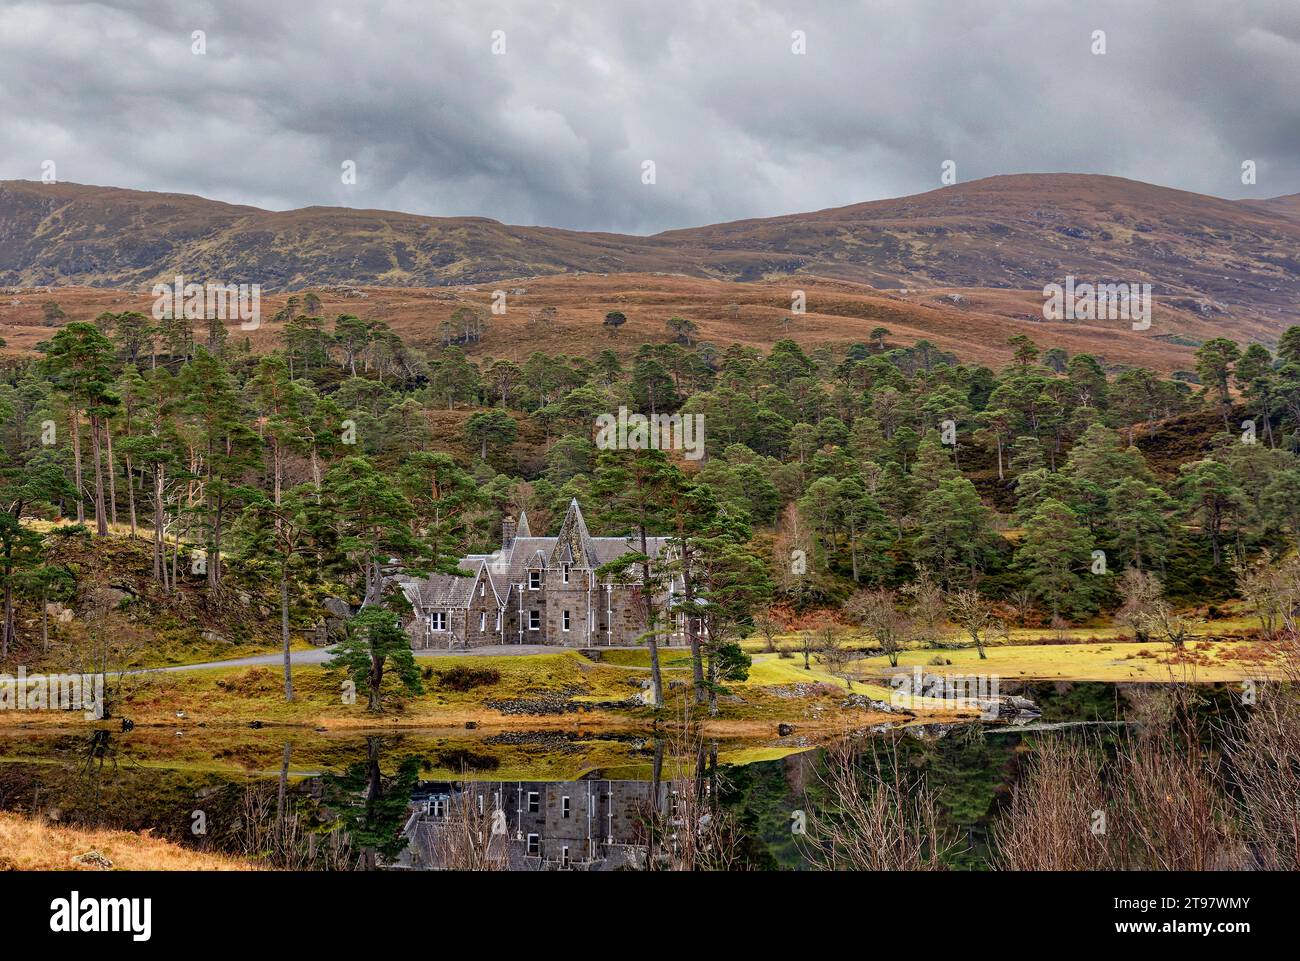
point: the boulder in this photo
(95, 860)
(337, 607)
(107, 598)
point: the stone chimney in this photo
(507, 533)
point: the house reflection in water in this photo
(588, 825)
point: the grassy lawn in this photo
(670, 659)
(217, 696)
(1204, 661)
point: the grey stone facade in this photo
(592, 824)
(537, 590)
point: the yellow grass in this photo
(769, 670)
(223, 696)
(34, 845)
(1206, 662)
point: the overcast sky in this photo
(555, 130)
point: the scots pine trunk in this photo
(376, 682)
(101, 519)
(112, 475)
(284, 629)
(656, 678)
(75, 417)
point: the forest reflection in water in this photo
(969, 796)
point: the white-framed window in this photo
(438, 620)
(482, 589)
(438, 806)
(564, 806)
(534, 620)
(482, 620)
(498, 627)
(534, 580)
(564, 855)
(534, 845)
(565, 571)
(534, 802)
(566, 621)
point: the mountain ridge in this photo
(1015, 231)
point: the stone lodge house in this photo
(588, 825)
(538, 590)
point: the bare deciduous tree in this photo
(927, 602)
(974, 615)
(1139, 591)
(877, 613)
(769, 627)
(1057, 820)
(1264, 756)
(872, 817)
(833, 652)
(470, 839)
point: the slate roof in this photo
(507, 568)
(438, 590)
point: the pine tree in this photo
(79, 360)
(1053, 554)
(633, 489)
(373, 644)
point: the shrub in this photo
(462, 678)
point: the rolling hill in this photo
(1018, 231)
(962, 265)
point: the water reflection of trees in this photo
(1188, 789)
(351, 820)
(372, 807)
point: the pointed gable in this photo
(521, 530)
(485, 575)
(574, 545)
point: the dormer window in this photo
(534, 580)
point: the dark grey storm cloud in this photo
(555, 129)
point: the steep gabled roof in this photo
(573, 545)
(439, 590)
(506, 568)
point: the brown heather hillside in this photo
(972, 323)
(1288, 205)
(30, 844)
(1235, 263)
